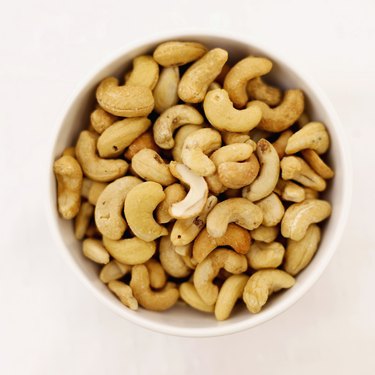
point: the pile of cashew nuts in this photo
(196, 180)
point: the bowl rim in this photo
(283, 304)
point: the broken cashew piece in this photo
(100, 120)
(265, 255)
(145, 72)
(173, 194)
(280, 144)
(94, 250)
(257, 89)
(82, 220)
(317, 164)
(158, 277)
(289, 191)
(265, 234)
(273, 210)
(113, 270)
(124, 294)
(190, 296)
(145, 140)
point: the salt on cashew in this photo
(257, 89)
(265, 255)
(69, 151)
(195, 81)
(262, 284)
(196, 197)
(113, 141)
(190, 296)
(160, 300)
(140, 204)
(284, 115)
(175, 53)
(196, 146)
(94, 250)
(145, 140)
(110, 205)
(124, 101)
(222, 115)
(100, 120)
(317, 164)
(265, 234)
(82, 220)
(289, 191)
(69, 183)
(235, 210)
(170, 120)
(145, 72)
(299, 216)
(94, 167)
(229, 293)
(113, 270)
(158, 277)
(130, 251)
(273, 210)
(209, 268)
(149, 165)
(295, 168)
(173, 194)
(240, 74)
(179, 140)
(313, 136)
(235, 237)
(280, 144)
(165, 91)
(267, 179)
(124, 294)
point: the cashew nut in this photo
(145, 140)
(165, 92)
(189, 295)
(82, 220)
(145, 72)
(209, 268)
(100, 120)
(262, 284)
(173, 194)
(317, 164)
(295, 168)
(170, 120)
(299, 216)
(69, 183)
(230, 292)
(267, 179)
(94, 167)
(151, 300)
(265, 255)
(195, 81)
(158, 277)
(265, 234)
(259, 90)
(236, 80)
(124, 294)
(140, 204)
(289, 191)
(235, 210)
(284, 115)
(95, 251)
(179, 140)
(273, 210)
(113, 270)
(280, 144)
(69, 151)
(222, 115)
(125, 101)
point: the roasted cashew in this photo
(140, 204)
(257, 89)
(235, 210)
(222, 115)
(151, 300)
(265, 255)
(317, 164)
(124, 294)
(113, 270)
(100, 120)
(195, 148)
(195, 81)
(262, 284)
(158, 277)
(110, 206)
(130, 250)
(165, 92)
(146, 140)
(193, 203)
(299, 216)
(176, 53)
(190, 296)
(179, 140)
(240, 74)
(125, 101)
(265, 234)
(236, 237)
(267, 179)
(284, 115)
(170, 120)
(295, 168)
(313, 136)
(230, 292)
(145, 72)
(173, 194)
(69, 151)
(273, 210)
(289, 191)
(113, 141)
(280, 144)
(209, 268)
(69, 183)
(94, 167)
(82, 220)
(95, 251)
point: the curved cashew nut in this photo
(113, 270)
(299, 216)
(240, 74)
(69, 183)
(170, 120)
(284, 115)
(195, 81)
(110, 206)
(273, 210)
(190, 296)
(222, 115)
(317, 164)
(267, 179)
(158, 277)
(94, 167)
(265, 255)
(235, 210)
(259, 90)
(140, 204)
(209, 268)
(82, 220)
(125, 101)
(176, 53)
(265, 234)
(165, 92)
(145, 140)
(124, 294)
(313, 136)
(151, 300)
(289, 191)
(280, 144)
(179, 140)
(230, 292)
(100, 120)
(173, 194)
(236, 237)
(145, 72)
(195, 199)
(295, 168)
(195, 148)
(94, 250)
(262, 284)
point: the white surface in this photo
(49, 323)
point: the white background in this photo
(49, 322)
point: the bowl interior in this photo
(182, 320)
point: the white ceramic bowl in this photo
(181, 320)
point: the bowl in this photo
(180, 320)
